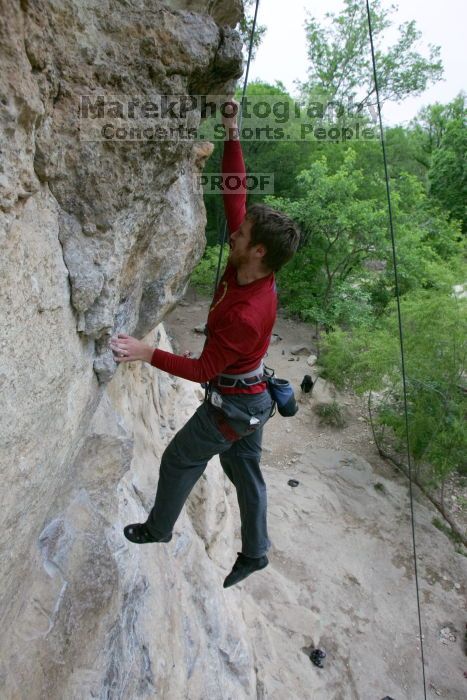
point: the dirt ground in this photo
(341, 572)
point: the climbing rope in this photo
(245, 83)
(401, 340)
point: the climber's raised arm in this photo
(233, 164)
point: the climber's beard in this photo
(238, 256)
(231, 255)
(241, 251)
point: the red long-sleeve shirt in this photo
(241, 317)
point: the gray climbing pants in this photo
(207, 433)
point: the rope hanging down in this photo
(245, 83)
(399, 317)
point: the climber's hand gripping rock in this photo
(128, 349)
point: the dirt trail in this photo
(341, 574)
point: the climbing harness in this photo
(281, 390)
(399, 317)
(255, 376)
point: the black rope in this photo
(391, 226)
(245, 83)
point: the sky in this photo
(282, 54)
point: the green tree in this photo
(245, 27)
(430, 125)
(340, 66)
(428, 249)
(204, 274)
(368, 359)
(344, 223)
(340, 230)
(448, 172)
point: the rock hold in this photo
(105, 366)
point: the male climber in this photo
(230, 421)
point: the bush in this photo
(330, 414)
(435, 350)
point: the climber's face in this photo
(240, 244)
(242, 252)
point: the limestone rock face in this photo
(99, 617)
(223, 12)
(116, 201)
(96, 238)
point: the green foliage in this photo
(448, 173)
(439, 137)
(204, 274)
(344, 227)
(427, 244)
(330, 414)
(340, 59)
(429, 126)
(246, 25)
(340, 229)
(435, 348)
(405, 154)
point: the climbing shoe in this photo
(243, 567)
(139, 534)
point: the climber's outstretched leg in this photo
(241, 464)
(182, 464)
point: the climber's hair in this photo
(276, 231)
